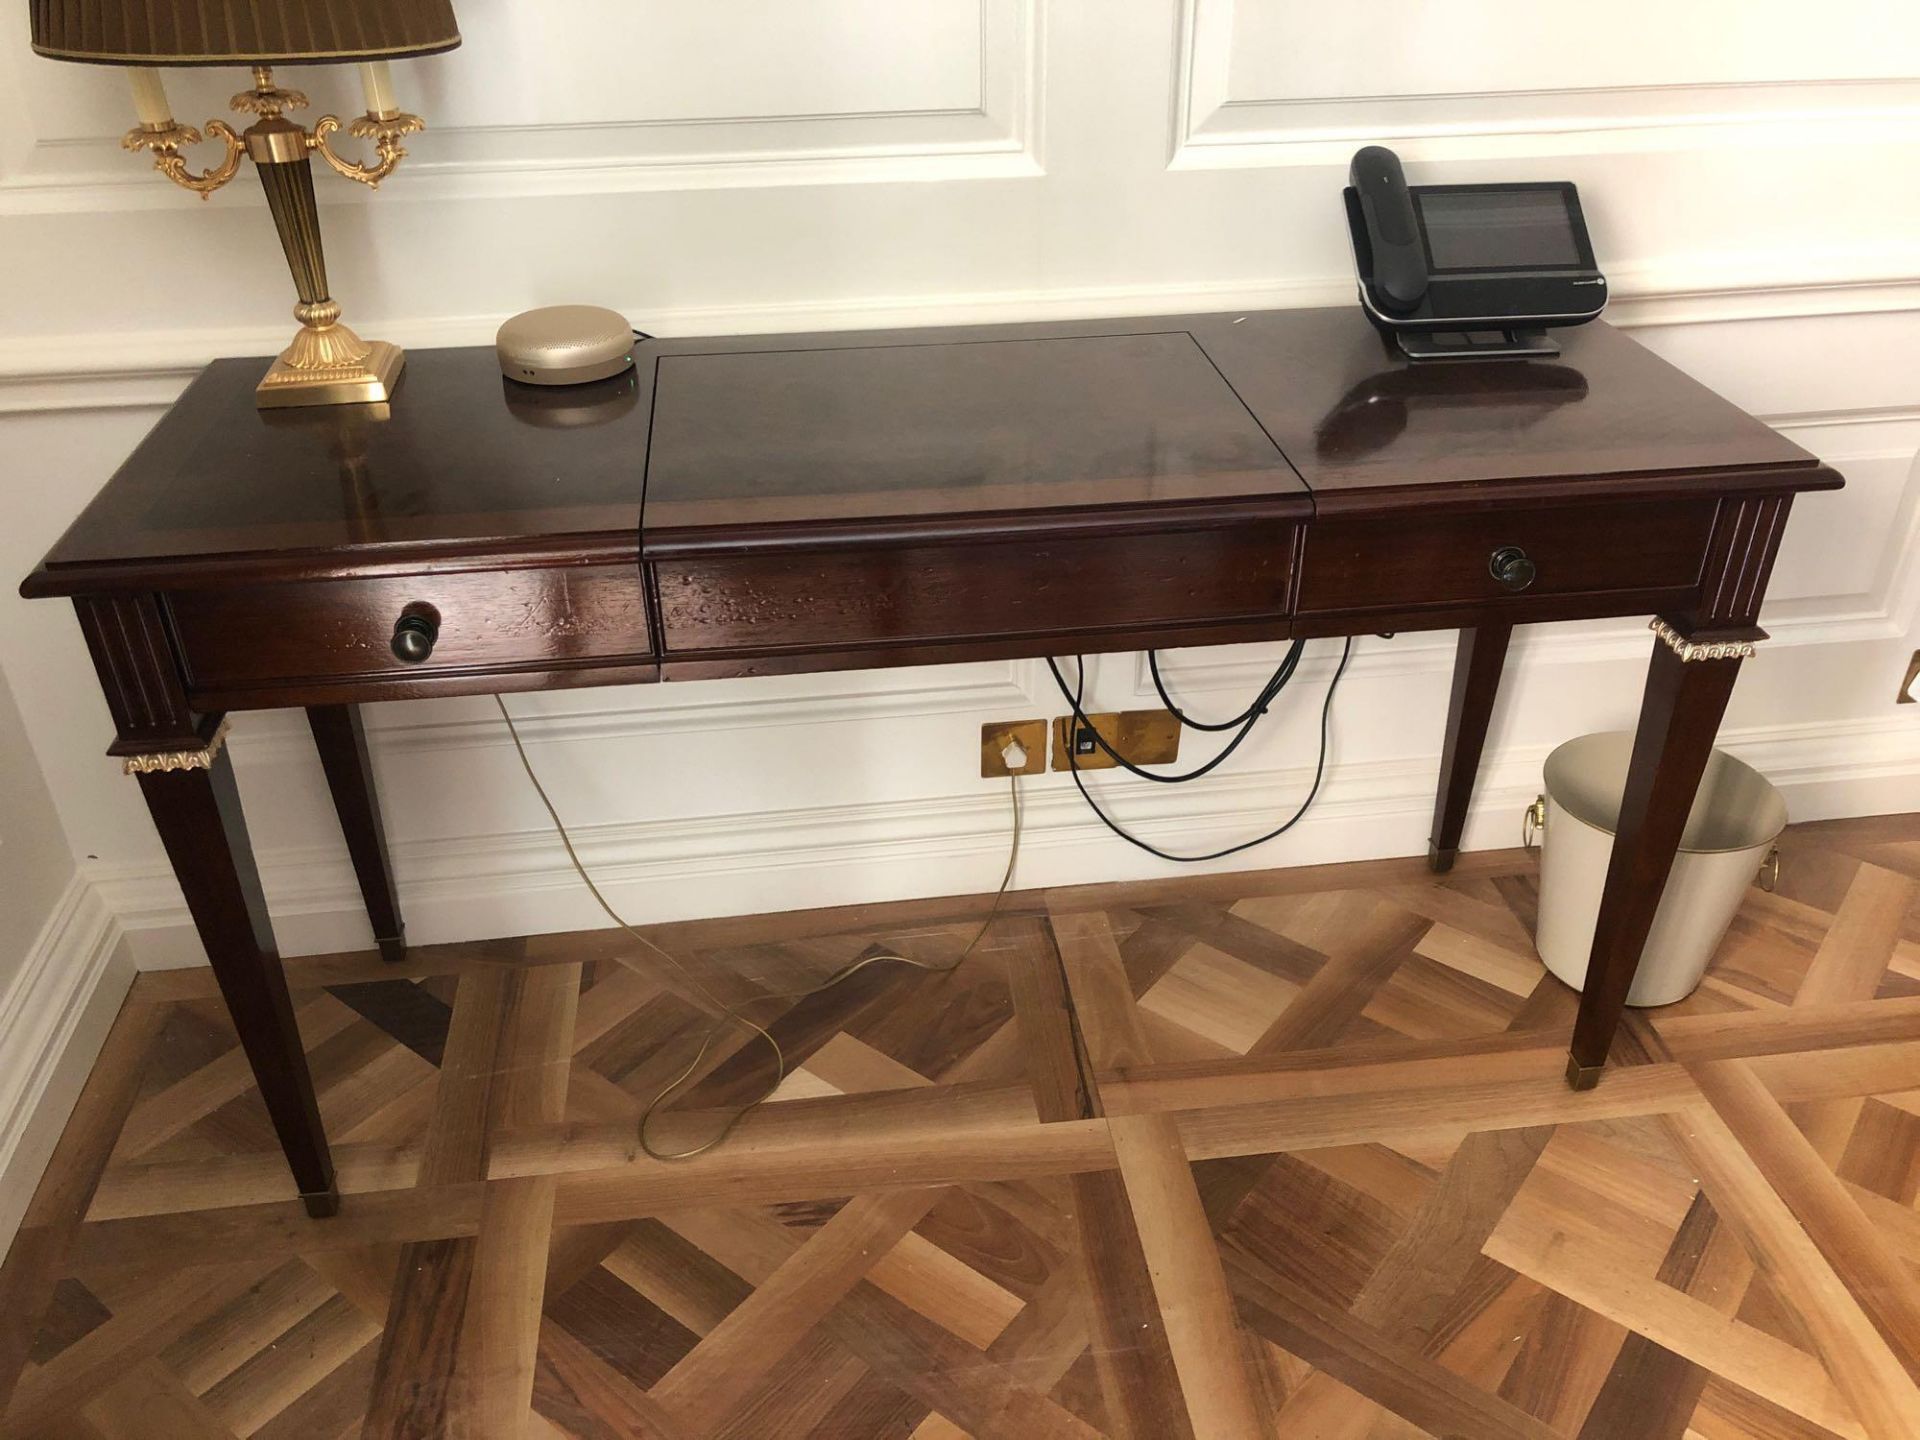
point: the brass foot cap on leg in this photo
(393, 948)
(1440, 861)
(322, 1204)
(1582, 1077)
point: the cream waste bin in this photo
(1735, 819)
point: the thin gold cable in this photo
(732, 1013)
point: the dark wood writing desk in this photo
(845, 500)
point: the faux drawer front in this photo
(1378, 563)
(874, 595)
(342, 629)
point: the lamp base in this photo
(355, 382)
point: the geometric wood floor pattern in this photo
(1272, 1154)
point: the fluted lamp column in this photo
(327, 363)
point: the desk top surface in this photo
(756, 435)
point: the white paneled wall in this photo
(1749, 170)
(1512, 77)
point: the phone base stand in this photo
(1476, 344)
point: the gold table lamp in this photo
(327, 364)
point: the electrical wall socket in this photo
(1910, 687)
(1146, 737)
(1029, 735)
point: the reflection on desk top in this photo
(1606, 407)
(863, 430)
(987, 426)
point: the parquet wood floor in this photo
(1282, 1154)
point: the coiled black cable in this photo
(1261, 702)
(1074, 697)
(1245, 721)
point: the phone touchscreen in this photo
(1521, 229)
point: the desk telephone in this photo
(1469, 271)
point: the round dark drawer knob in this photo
(414, 633)
(1511, 567)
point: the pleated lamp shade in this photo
(245, 32)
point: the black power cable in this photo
(1075, 695)
(1082, 723)
(1245, 720)
(1268, 692)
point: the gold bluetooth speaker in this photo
(327, 364)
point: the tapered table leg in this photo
(197, 812)
(342, 741)
(1687, 689)
(1476, 681)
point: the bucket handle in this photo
(1533, 824)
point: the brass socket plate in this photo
(1146, 737)
(1031, 735)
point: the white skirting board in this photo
(53, 1020)
(519, 882)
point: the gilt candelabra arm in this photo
(167, 141)
(326, 363)
(385, 131)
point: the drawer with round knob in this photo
(412, 634)
(1549, 562)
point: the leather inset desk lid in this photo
(784, 436)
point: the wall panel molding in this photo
(667, 869)
(646, 713)
(121, 370)
(997, 136)
(1214, 126)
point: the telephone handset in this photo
(1459, 272)
(1399, 266)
